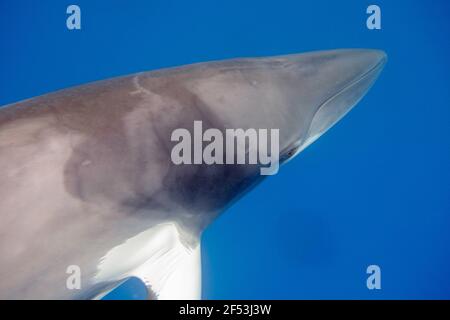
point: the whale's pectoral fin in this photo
(169, 267)
(176, 274)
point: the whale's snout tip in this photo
(374, 59)
(362, 61)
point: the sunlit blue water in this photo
(374, 190)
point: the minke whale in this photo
(86, 177)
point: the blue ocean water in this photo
(375, 189)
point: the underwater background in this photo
(375, 189)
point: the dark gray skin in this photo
(84, 169)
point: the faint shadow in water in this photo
(305, 238)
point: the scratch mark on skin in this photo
(139, 87)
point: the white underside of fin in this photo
(158, 256)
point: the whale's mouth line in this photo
(301, 144)
(348, 86)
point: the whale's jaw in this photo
(344, 83)
(339, 104)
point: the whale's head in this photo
(330, 84)
(302, 95)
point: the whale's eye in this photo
(288, 155)
(292, 152)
